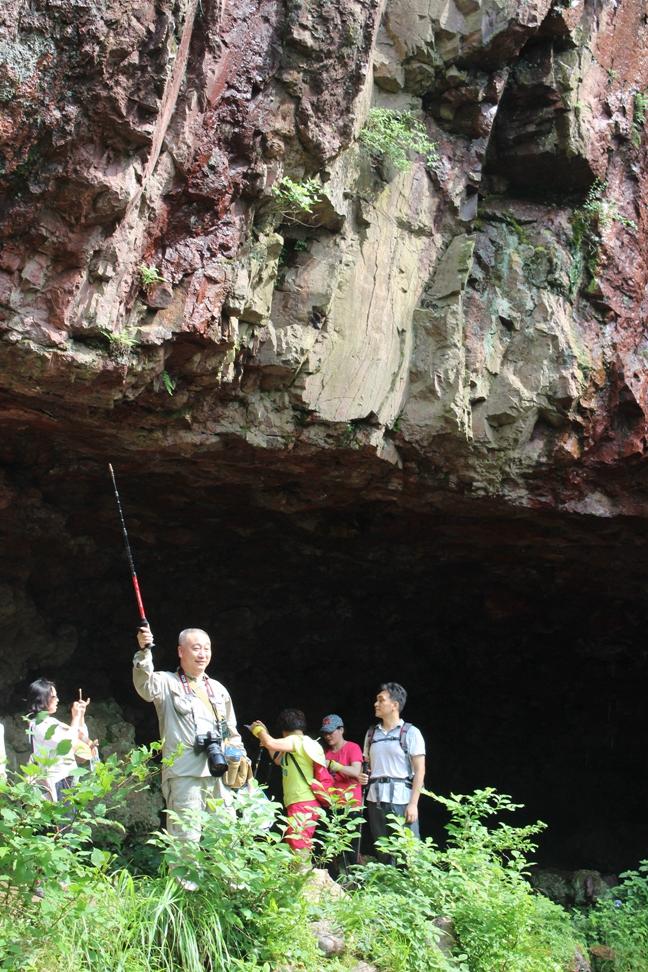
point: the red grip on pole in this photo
(138, 598)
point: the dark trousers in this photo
(63, 785)
(349, 857)
(377, 814)
(342, 863)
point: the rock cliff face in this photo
(429, 387)
(472, 317)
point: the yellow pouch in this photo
(238, 773)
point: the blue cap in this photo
(331, 722)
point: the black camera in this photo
(211, 743)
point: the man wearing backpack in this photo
(395, 753)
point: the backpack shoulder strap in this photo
(371, 732)
(405, 728)
(299, 769)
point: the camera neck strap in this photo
(188, 689)
(204, 684)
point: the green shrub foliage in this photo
(70, 904)
(478, 881)
(292, 198)
(394, 135)
(640, 109)
(619, 921)
(589, 224)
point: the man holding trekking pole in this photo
(196, 716)
(204, 755)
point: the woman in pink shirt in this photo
(344, 760)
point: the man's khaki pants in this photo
(191, 793)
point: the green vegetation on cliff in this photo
(589, 223)
(292, 198)
(70, 904)
(394, 135)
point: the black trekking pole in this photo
(363, 807)
(129, 556)
(257, 762)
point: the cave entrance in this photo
(519, 635)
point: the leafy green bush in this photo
(42, 841)
(620, 921)
(292, 198)
(250, 884)
(47, 855)
(392, 929)
(337, 829)
(168, 382)
(120, 343)
(393, 135)
(64, 908)
(67, 906)
(500, 923)
(598, 213)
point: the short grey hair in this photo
(182, 637)
(396, 693)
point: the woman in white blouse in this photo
(46, 733)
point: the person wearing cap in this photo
(344, 760)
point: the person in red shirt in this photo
(344, 760)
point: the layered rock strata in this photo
(405, 423)
(454, 317)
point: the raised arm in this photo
(354, 768)
(268, 742)
(77, 722)
(147, 682)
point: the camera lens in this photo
(216, 761)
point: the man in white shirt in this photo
(189, 705)
(395, 753)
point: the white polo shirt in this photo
(387, 758)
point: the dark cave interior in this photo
(518, 634)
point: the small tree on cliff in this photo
(393, 135)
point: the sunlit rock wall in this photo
(467, 324)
